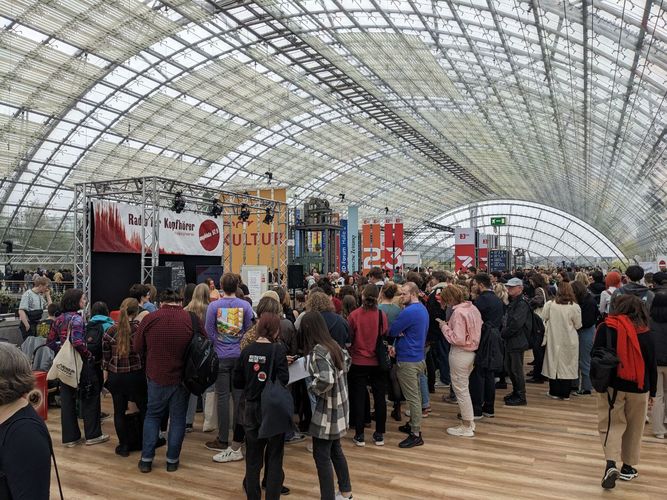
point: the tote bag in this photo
(277, 405)
(67, 364)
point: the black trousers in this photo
(256, 451)
(430, 369)
(90, 412)
(514, 367)
(358, 378)
(560, 387)
(126, 387)
(538, 355)
(482, 388)
(327, 453)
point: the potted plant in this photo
(5, 301)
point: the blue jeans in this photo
(161, 398)
(441, 347)
(585, 345)
(423, 388)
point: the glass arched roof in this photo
(547, 233)
(417, 105)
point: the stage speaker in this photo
(162, 278)
(295, 276)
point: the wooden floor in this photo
(547, 450)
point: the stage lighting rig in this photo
(342, 196)
(178, 205)
(244, 214)
(268, 218)
(215, 209)
(269, 175)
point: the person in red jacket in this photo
(366, 323)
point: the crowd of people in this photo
(363, 341)
(20, 280)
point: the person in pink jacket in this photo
(462, 331)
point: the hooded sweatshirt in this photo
(636, 289)
(106, 321)
(464, 328)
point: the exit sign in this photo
(498, 221)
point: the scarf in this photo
(631, 366)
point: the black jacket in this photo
(589, 311)
(338, 328)
(517, 324)
(659, 331)
(435, 310)
(647, 346)
(491, 308)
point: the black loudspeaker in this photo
(162, 278)
(295, 276)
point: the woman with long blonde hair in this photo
(198, 305)
(124, 372)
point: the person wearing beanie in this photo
(612, 281)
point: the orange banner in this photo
(263, 246)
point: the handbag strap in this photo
(273, 355)
(380, 325)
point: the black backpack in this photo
(200, 368)
(604, 364)
(536, 333)
(94, 337)
(491, 351)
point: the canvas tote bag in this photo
(67, 364)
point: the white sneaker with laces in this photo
(461, 431)
(339, 496)
(102, 438)
(228, 455)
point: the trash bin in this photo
(39, 396)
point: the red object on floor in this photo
(39, 396)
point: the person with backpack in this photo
(163, 338)
(634, 287)
(612, 282)
(562, 319)
(92, 381)
(631, 387)
(71, 323)
(517, 327)
(264, 359)
(537, 303)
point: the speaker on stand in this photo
(294, 279)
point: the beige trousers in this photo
(660, 403)
(627, 425)
(460, 367)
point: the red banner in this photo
(393, 245)
(371, 244)
(483, 251)
(464, 248)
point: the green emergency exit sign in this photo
(498, 221)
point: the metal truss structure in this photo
(153, 194)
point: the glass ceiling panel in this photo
(421, 106)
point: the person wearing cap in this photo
(515, 331)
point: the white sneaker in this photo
(72, 444)
(100, 439)
(228, 455)
(339, 496)
(660, 436)
(309, 446)
(461, 431)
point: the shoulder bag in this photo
(381, 350)
(67, 365)
(277, 405)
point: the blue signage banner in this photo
(343, 246)
(353, 239)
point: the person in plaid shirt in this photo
(328, 366)
(123, 370)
